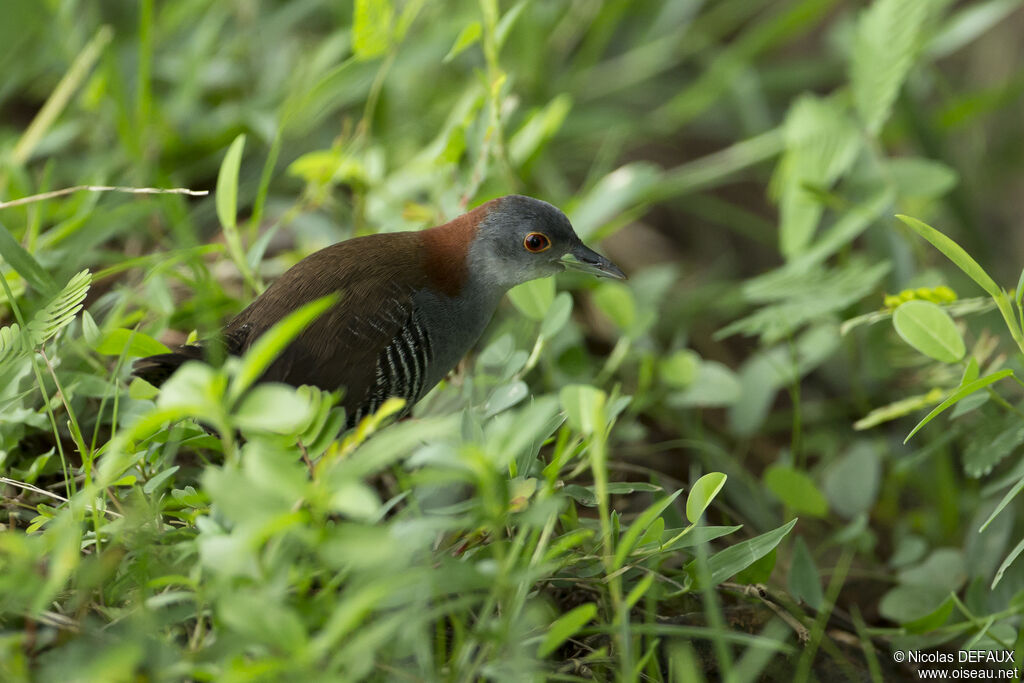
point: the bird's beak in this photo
(589, 261)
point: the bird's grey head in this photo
(522, 239)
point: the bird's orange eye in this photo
(536, 242)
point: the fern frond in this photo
(886, 42)
(60, 311)
(11, 344)
(47, 322)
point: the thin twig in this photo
(44, 492)
(101, 188)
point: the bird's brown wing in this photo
(343, 346)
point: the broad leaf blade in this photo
(930, 330)
(25, 264)
(702, 493)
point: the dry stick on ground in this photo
(101, 188)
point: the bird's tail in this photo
(156, 369)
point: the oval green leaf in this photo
(130, 342)
(702, 493)
(797, 490)
(930, 330)
(534, 298)
(584, 406)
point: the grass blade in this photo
(962, 392)
(25, 264)
(955, 253)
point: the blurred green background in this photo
(742, 160)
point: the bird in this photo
(411, 304)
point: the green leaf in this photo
(639, 526)
(884, 46)
(159, 478)
(275, 408)
(851, 483)
(565, 627)
(965, 390)
(271, 343)
(371, 28)
(765, 372)
(1006, 499)
(468, 36)
(897, 409)
(968, 23)
(506, 396)
(913, 604)
(715, 385)
(955, 253)
(760, 571)
(618, 191)
(943, 568)
(1014, 554)
(540, 127)
(848, 226)
(61, 309)
(924, 587)
(736, 558)
(992, 441)
(355, 500)
(639, 590)
(679, 369)
(227, 185)
(702, 493)
(557, 316)
(821, 145)
(131, 343)
(971, 372)
(507, 21)
(1019, 294)
(584, 495)
(12, 343)
(929, 622)
(804, 581)
(50, 319)
(260, 618)
(584, 406)
(25, 264)
(799, 298)
(194, 387)
(616, 301)
(921, 178)
(930, 330)
(534, 298)
(141, 390)
(90, 330)
(688, 537)
(796, 490)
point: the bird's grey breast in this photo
(453, 325)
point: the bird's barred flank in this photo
(401, 369)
